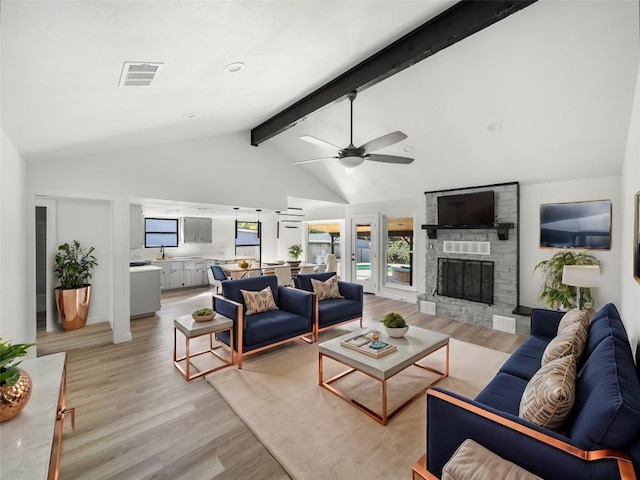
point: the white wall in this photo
(531, 197)
(89, 222)
(630, 308)
(15, 324)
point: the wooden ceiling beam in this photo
(457, 23)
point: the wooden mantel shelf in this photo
(501, 228)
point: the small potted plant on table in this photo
(395, 325)
(294, 254)
(203, 314)
(15, 383)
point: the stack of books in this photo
(362, 343)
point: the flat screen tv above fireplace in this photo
(466, 210)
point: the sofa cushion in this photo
(550, 394)
(605, 323)
(607, 408)
(337, 310)
(231, 288)
(503, 393)
(525, 361)
(573, 316)
(267, 327)
(258, 302)
(571, 341)
(304, 281)
(326, 289)
(472, 461)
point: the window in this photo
(248, 240)
(322, 239)
(160, 232)
(399, 246)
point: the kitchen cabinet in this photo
(196, 230)
(200, 277)
(188, 274)
(175, 275)
(144, 290)
(136, 229)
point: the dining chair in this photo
(284, 276)
(307, 269)
(216, 276)
(332, 263)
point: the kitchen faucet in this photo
(162, 251)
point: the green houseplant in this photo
(203, 314)
(555, 293)
(74, 267)
(15, 383)
(395, 325)
(295, 251)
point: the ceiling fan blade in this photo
(376, 157)
(317, 141)
(383, 141)
(300, 162)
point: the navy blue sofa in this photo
(253, 333)
(333, 311)
(599, 440)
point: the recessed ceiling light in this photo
(494, 127)
(189, 115)
(407, 149)
(234, 67)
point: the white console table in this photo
(31, 442)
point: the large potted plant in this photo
(556, 294)
(74, 268)
(15, 383)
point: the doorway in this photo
(364, 252)
(45, 221)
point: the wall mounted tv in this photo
(466, 210)
(576, 225)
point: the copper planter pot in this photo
(13, 398)
(73, 306)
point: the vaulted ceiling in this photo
(543, 95)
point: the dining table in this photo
(235, 272)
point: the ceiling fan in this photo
(353, 156)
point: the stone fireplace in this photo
(466, 279)
(471, 274)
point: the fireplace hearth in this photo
(466, 279)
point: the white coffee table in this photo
(417, 344)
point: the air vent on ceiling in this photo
(139, 74)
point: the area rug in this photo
(315, 435)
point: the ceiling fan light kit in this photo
(351, 156)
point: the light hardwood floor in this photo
(137, 418)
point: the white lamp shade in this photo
(582, 275)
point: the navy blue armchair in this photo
(293, 318)
(331, 312)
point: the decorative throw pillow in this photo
(573, 316)
(549, 395)
(571, 342)
(258, 302)
(326, 289)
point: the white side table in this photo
(192, 329)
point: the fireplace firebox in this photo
(466, 279)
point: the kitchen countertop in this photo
(144, 268)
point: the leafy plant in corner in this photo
(394, 320)
(9, 372)
(555, 293)
(295, 251)
(74, 265)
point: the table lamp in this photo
(581, 276)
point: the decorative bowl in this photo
(397, 332)
(203, 318)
